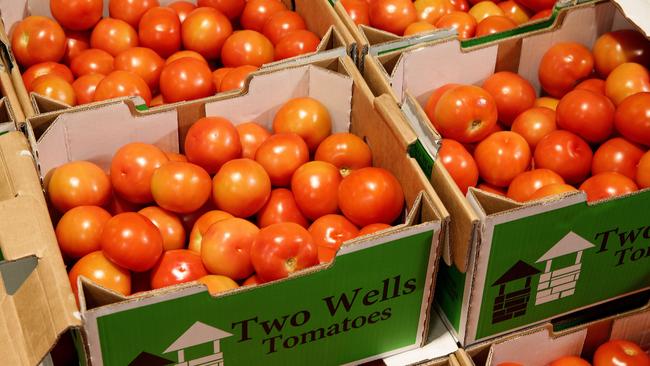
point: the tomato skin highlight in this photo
(175, 267)
(620, 353)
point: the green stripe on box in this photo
(417, 151)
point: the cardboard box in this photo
(318, 14)
(519, 264)
(10, 109)
(372, 301)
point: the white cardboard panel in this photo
(637, 11)
(540, 348)
(635, 328)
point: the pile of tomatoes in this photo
(591, 131)
(255, 205)
(473, 18)
(163, 54)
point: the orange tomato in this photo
(514, 11)
(37, 39)
(372, 228)
(241, 187)
(170, 226)
(430, 11)
(79, 230)
(618, 47)
(459, 163)
(315, 188)
(218, 75)
(345, 151)
(78, 183)
(85, 86)
(143, 62)
(594, 85)
(122, 84)
(113, 36)
(548, 102)
(296, 43)
(225, 248)
(512, 94)
(180, 187)
(432, 101)
(281, 207)
(534, 123)
(392, 15)
(236, 78)
(257, 12)
(132, 168)
(98, 269)
(484, 9)
(172, 156)
(212, 141)
(251, 136)
(625, 80)
(183, 54)
(76, 15)
(466, 114)
(329, 233)
(246, 47)
(565, 153)
(182, 8)
(281, 24)
(492, 189)
(551, 190)
(527, 183)
(358, 10)
(606, 185)
(501, 157)
(202, 225)
(617, 155)
(92, 61)
(543, 14)
(55, 88)
(587, 114)
(462, 22)
(253, 280)
(130, 11)
(160, 30)
(563, 66)
(131, 241)
(218, 284)
(46, 68)
(230, 8)
(280, 155)
(75, 43)
(306, 117)
(205, 30)
(632, 118)
(570, 361)
(186, 78)
(643, 171)
(494, 24)
(418, 27)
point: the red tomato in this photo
(371, 195)
(230, 8)
(75, 43)
(432, 101)
(563, 66)
(130, 11)
(257, 12)
(143, 62)
(191, 218)
(131, 241)
(183, 54)
(180, 187)
(281, 207)
(218, 75)
(160, 30)
(252, 281)
(484, 9)
(566, 154)
(176, 267)
(98, 269)
(514, 11)
(617, 155)
(345, 151)
(465, 113)
(501, 157)
(620, 353)
(527, 183)
(431, 10)
(251, 136)
(79, 230)
(459, 163)
(632, 118)
(618, 47)
(172, 156)
(76, 14)
(241, 187)
(594, 85)
(182, 8)
(494, 24)
(463, 23)
(537, 5)
(78, 183)
(202, 225)
(217, 284)
(587, 114)
(607, 185)
(296, 43)
(492, 189)
(92, 61)
(85, 86)
(329, 232)
(306, 117)
(534, 123)
(512, 94)
(46, 68)
(280, 155)
(122, 84)
(281, 24)
(372, 228)
(282, 249)
(55, 88)
(358, 10)
(236, 78)
(132, 168)
(212, 141)
(418, 27)
(186, 79)
(113, 36)
(37, 39)
(643, 171)
(170, 226)
(315, 187)
(117, 205)
(544, 14)
(509, 364)
(225, 248)
(246, 47)
(205, 30)
(392, 15)
(551, 190)
(461, 5)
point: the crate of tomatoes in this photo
(543, 165)
(70, 52)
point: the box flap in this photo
(637, 12)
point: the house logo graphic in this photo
(554, 283)
(199, 333)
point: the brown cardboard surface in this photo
(8, 68)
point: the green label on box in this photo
(450, 286)
(368, 303)
(419, 153)
(558, 261)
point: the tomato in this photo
(371, 195)
(527, 183)
(544, 14)
(563, 66)
(230, 8)
(122, 84)
(46, 68)
(512, 94)
(345, 151)
(587, 114)
(252, 281)
(217, 284)
(466, 114)
(117, 205)
(191, 218)
(418, 27)
(241, 187)
(306, 117)
(76, 14)
(632, 118)
(459, 163)
(182, 8)
(281, 207)
(143, 62)
(432, 101)
(485, 9)
(236, 78)
(494, 24)
(180, 187)
(160, 30)
(75, 43)
(218, 75)
(85, 86)
(205, 30)
(570, 361)
(257, 12)
(392, 15)
(315, 188)
(98, 269)
(514, 11)
(131, 241)
(282, 249)
(534, 123)
(617, 155)
(212, 141)
(501, 157)
(130, 11)
(55, 88)
(358, 10)
(548, 102)
(538, 5)
(251, 136)
(618, 47)
(92, 61)
(606, 185)
(626, 80)
(509, 364)
(594, 85)
(296, 43)
(186, 79)
(113, 36)
(431, 10)
(183, 54)
(79, 230)
(172, 156)
(175, 267)
(372, 228)
(492, 189)
(202, 225)
(37, 39)
(329, 232)
(281, 24)
(246, 47)
(132, 168)
(643, 171)
(156, 101)
(78, 183)
(280, 155)
(170, 226)
(620, 353)
(225, 248)
(551, 190)
(566, 154)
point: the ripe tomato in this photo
(230, 8)
(538, 5)
(55, 88)
(643, 171)
(78, 183)
(251, 136)
(132, 168)
(371, 195)
(182, 8)
(212, 141)
(46, 68)
(281, 207)
(252, 281)
(172, 156)
(246, 47)
(432, 101)
(587, 114)
(563, 66)
(372, 228)
(282, 249)
(358, 10)
(217, 284)
(514, 11)
(459, 163)
(280, 155)
(501, 157)
(122, 84)
(202, 225)
(76, 14)
(190, 219)
(544, 14)
(160, 30)
(79, 230)
(241, 187)
(462, 22)
(97, 268)
(282, 23)
(617, 155)
(620, 353)
(315, 187)
(485, 9)
(345, 151)
(176, 267)
(180, 187)
(534, 123)
(170, 226)
(418, 27)
(548, 102)
(186, 79)
(92, 61)
(75, 43)
(492, 189)
(512, 94)
(85, 86)
(632, 118)
(566, 154)
(117, 205)
(606, 185)
(236, 78)
(225, 248)
(185, 53)
(130, 11)
(527, 183)
(37, 39)
(218, 75)
(466, 114)
(296, 43)
(618, 47)
(625, 80)
(570, 361)
(131, 241)
(113, 36)
(205, 30)
(329, 232)
(257, 12)
(494, 24)
(431, 10)
(551, 190)
(594, 85)
(306, 117)
(392, 15)
(143, 62)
